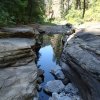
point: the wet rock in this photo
(69, 88)
(36, 97)
(39, 80)
(58, 74)
(64, 39)
(40, 72)
(39, 88)
(56, 96)
(69, 93)
(63, 96)
(65, 80)
(54, 86)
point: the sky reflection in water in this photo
(46, 62)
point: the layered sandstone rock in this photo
(81, 61)
(18, 72)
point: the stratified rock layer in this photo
(18, 72)
(81, 61)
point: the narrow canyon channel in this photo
(48, 59)
(49, 66)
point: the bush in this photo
(91, 14)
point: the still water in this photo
(46, 61)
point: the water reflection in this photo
(47, 58)
(55, 42)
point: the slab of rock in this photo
(40, 72)
(56, 96)
(81, 56)
(25, 31)
(63, 96)
(58, 74)
(54, 86)
(16, 51)
(69, 93)
(18, 83)
(85, 50)
(70, 88)
(18, 71)
(8, 44)
(56, 29)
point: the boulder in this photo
(70, 88)
(65, 80)
(58, 74)
(40, 72)
(63, 96)
(69, 93)
(56, 96)
(54, 86)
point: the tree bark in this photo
(29, 7)
(84, 7)
(78, 4)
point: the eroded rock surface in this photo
(54, 86)
(18, 72)
(58, 74)
(18, 83)
(68, 93)
(22, 31)
(55, 29)
(81, 61)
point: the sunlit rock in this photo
(69, 93)
(81, 61)
(18, 71)
(56, 96)
(25, 31)
(54, 86)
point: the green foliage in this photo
(19, 11)
(5, 18)
(39, 10)
(74, 16)
(91, 14)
